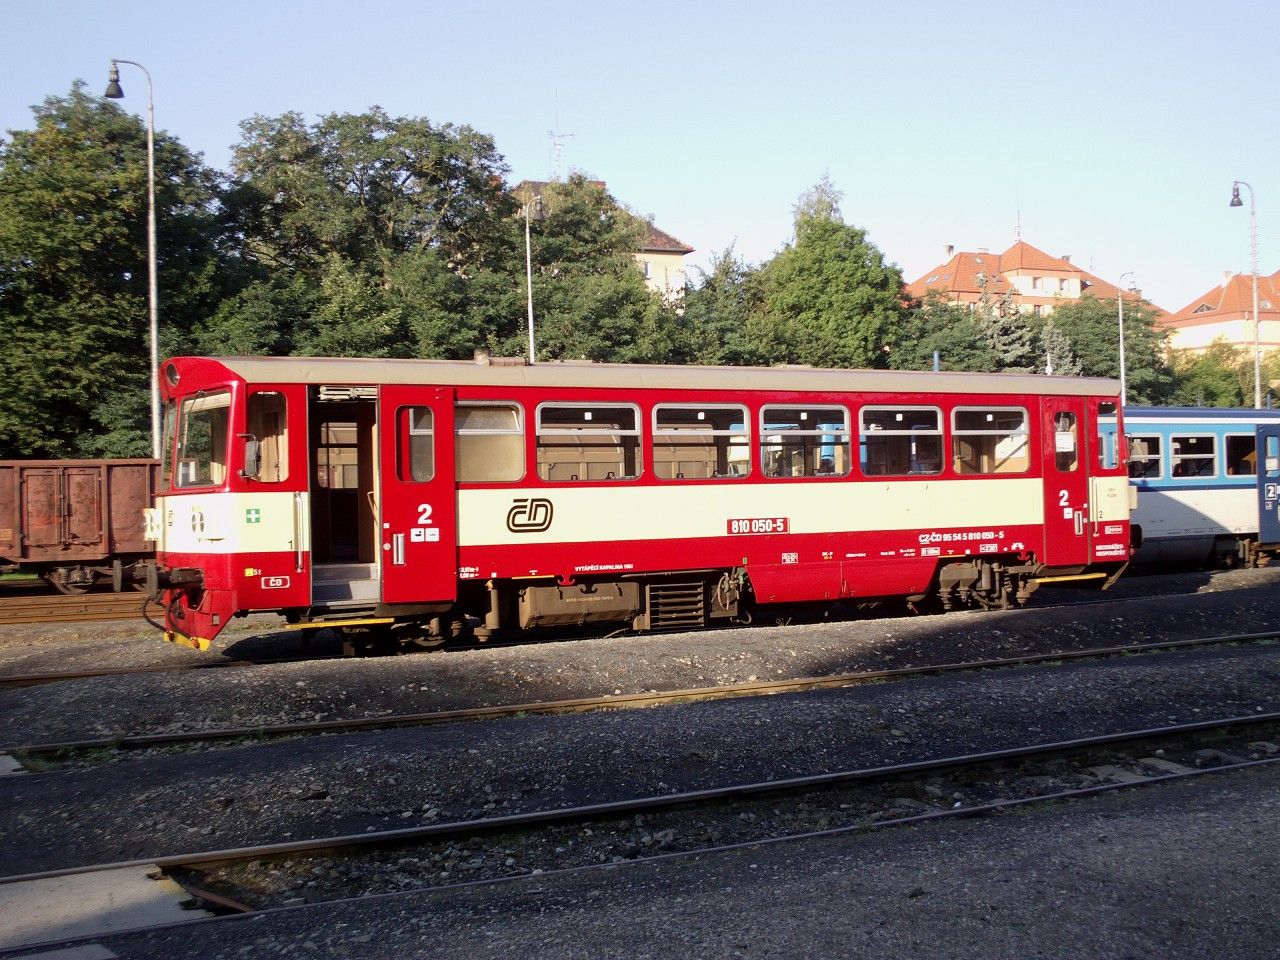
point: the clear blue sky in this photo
(1116, 128)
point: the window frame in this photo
(956, 432)
(1193, 456)
(655, 433)
(184, 410)
(1157, 458)
(404, 437)
(848, 433)
(865, 434)
(520, 431)
(1226, 456)
(638, 433)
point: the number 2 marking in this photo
(1063, 499)
(424, 512)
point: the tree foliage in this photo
(73, 275)
(1092, 327)
(830, 299)
(952, 330)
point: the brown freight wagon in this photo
(76, 522)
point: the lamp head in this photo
(1235, 196)
(114, 90)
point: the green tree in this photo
(1009, 334)
(830, 299)
(718, 313)
(590, 299)
(1092, 327)
(948, 328)
(1212, 378)
(378, 235)
(1059, 357)
(73, 275)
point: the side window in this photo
(166, 447)
(202, 439)
(1108, 452)
(1193, 456)
(1066, 441)
(700, 442)
(805, 441)
(588, 442)
(1242, 455)
(1272, 465)
(900, 441)
(1144, 457)
(416, 453)
(269, 426)
(490, 441)
(336, 456)
(988, 440)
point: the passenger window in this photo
(700, 442)
(1193, 456)
(1108, 442)
(416, 436)
(588, 442)
(988, 440)
(1144, 457)
(1242, 455)
(269, 426)
(490, 442)
(337, 456)
(1066, 441)
(805, 441)
(1273, 457)
(900, 441)
(202, 439)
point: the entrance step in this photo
(345, 583)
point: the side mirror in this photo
(252, 456)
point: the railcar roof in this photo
(337, 370)
(1200, 413)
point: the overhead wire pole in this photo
(1253, 262)
(1124, 393)
(115, 92)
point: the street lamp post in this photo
(1124, 393)
(115, 92)
(1253, 255)
(528, 269)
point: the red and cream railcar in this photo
(423, 496)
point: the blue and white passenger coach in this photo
(1200, 495)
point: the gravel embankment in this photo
(166, 804)
(343, 689)
(1177, 872)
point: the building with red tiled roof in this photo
(1226, 312)
(1034, 281)
(660, 257)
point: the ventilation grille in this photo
(676, 605)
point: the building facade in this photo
(1226, 313)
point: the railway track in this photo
(211, 875)
(56, 608)
(63, 749)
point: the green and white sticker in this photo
(253, 515)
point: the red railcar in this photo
(426, 497)
(76, 522)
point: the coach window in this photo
(416, 444)
(697, 442)
(1108, 452)
(1144, 457)
(1242, 455)
(901, 441)
(267, 425)
(490, 442)
(989, 440)
(1066, 441)
(202, 439)
(805, 441)
(1193, 456)
(588, 442)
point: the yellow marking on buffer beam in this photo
(322, 624)
(1074, 576)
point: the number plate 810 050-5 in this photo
(758, 525)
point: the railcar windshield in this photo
(202, 439)
(166, 445)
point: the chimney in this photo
(1226, 277)
(1066, 257)
(950, 249)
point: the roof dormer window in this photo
(1203, 308)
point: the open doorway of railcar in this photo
(343, 425)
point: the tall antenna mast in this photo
(557, 143)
